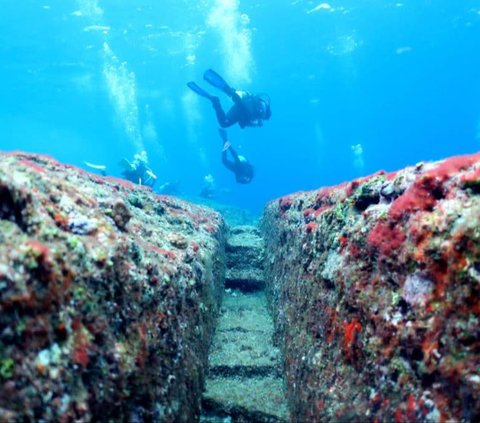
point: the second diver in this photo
(240, 166)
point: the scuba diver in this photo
(209, 187)
(247, 110)
(240, 166)
(138, 170)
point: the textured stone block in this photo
(375, 288)
(108, 295)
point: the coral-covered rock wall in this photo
(108, 295)
(375, 289)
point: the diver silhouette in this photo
(247, 110)
(240, 166)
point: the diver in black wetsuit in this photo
(247, 110)
(138, 171)
(240, 166)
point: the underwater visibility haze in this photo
(356, 86)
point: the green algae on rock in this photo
(108, 295)
(375, 286)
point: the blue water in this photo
(356, 86)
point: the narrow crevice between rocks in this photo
(236, 414)
(244, 381)
(244, 371)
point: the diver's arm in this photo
(227, 163)
(234, 155)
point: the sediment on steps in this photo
(244, 251)
(244, 378)
(244, 382)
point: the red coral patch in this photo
(386, 238)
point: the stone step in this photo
(244, 381)
(246, 280)
(245, 258)
(244, 242)
(258, 399)
(244, 310)
(241, 229)
(244, 248)
(249, 350)
(243, 371)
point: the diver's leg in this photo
(234, 96)
(233, 115)
(224, 120)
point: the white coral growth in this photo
(417, 289)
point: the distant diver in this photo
(247, 110)
(240, 166)
(138, 170)
(209, 187)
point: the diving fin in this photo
(200, 91)
(102, 169)
(95, 166)
(213, 78)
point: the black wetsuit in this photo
(245, 111)
(242, 169)
(139, 175)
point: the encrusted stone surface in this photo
(108, 295)
(375, 285)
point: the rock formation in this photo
(108, 295)
(374, 285)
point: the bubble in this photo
(343, 45)
(122, 89)
(235, 37)
(244, 19)
(358, 161)
(191, 59)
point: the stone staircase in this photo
(244, 382)
(245, 260)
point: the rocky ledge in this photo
(375, 286)
(108, 295)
